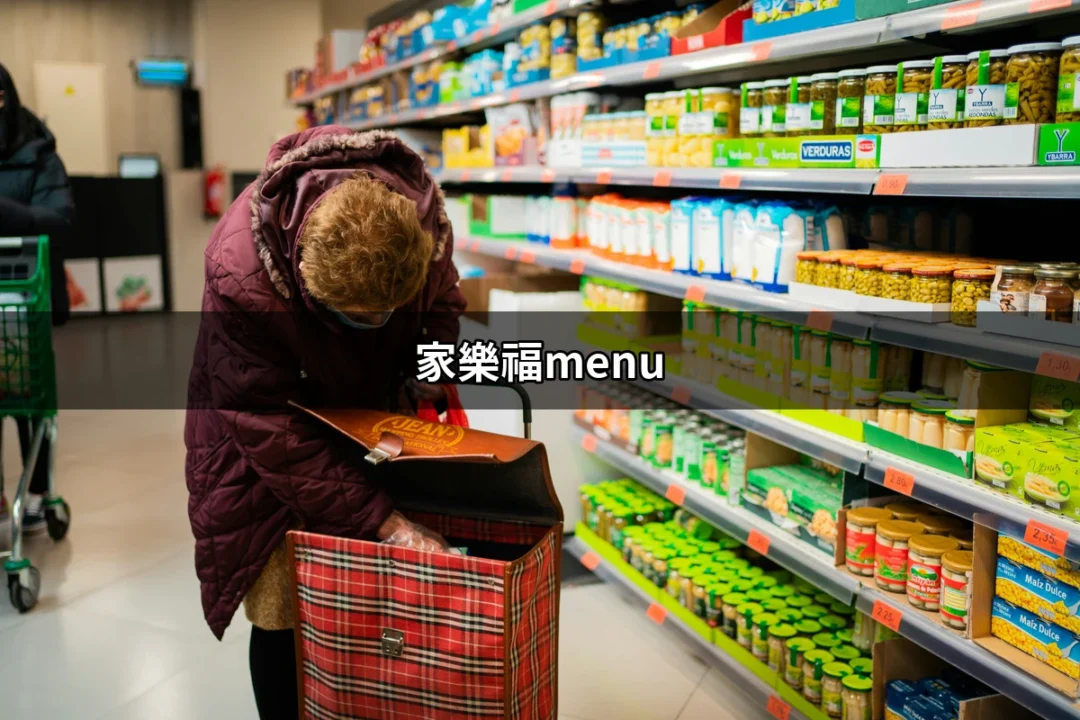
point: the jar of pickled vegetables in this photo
(849, 99)
(847, 271)
(750, 109)
(894, 411)
(719, 101)
(896, 280)
(868, 275)
(969, 287)
(654, 130)
(797, 115)
(805, 262)
(774, 108)
(931, 284)
(814, 662)
(820, 368)
(959, 431)
(823, 90)
(1031, 77)
(1051, 297)
(879, 102)
(1068, 99)
(913, 95)
(986, 74)
(926, 424)
(947, 96)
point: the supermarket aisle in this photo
(119, 634)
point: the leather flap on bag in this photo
(431, 467)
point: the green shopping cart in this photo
(28, 390)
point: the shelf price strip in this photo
(1047, 537)
(899, 481)
(778, 708)
(887, 615)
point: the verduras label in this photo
(985, 102)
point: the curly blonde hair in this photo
(363, 246)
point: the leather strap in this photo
(390, 444)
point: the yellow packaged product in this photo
(674, 104)
(654, 129)
(590, 31)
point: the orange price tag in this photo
(588, 443)
(662, 178)
(551, 8)
(761, 51)
(680, 394)
(451, 46)
(757, 542)
(515, 95)
(547, 175)
(1047, 537)
(464, 176)
(528, 257)
(887, 615)
(899, 481)
(507, 176)
(478, 36)
(819, 320)
(461, 243)
(1044, 5)
(676, 493)
(511, 253)
(652, 70)
(695, 293)
(891, 184)
(577, 267)
(961, 16)
(494, 30)
(1061, 367)
(778, 708)
(475, 246)
(657, 613)
(603, 177)
(730, 181)
(590, 560)
(476, 104)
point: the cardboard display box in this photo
(865, 9)
(722, 24)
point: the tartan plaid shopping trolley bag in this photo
(392, 633)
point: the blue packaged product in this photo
(682, 242)
(706, 234)
(922, 707)
(742, 242)
(897, 693)
(933, 686)
(781, 233)
(1048, 598)
(1043, 640)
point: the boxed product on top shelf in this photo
(772, 18)
(721, 24)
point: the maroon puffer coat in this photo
(254, 467)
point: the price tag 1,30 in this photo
(590, 560)
(695, 293)
(603, 177)
(1047, 537)
(758, 542)
(528, 257)
(887, 615)
(778, 708)
(475, 247)
(657, 613)
(899, 481)
(1058, 366)
(676, 493)
(760, 52)
(507, 176)
(547, 176)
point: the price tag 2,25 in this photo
(1047, 537)
(898, 481)
(887, 615)
(778, 708)
(758, 542)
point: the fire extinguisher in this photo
(214, 192)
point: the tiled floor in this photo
(119, 633)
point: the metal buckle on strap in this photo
(393, 642)
(377, 455)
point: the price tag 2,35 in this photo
(899, 481)
(1047, 537)
(758, 542)
(778, 708)
(887, 615)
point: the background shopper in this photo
(320, 280)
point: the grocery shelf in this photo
(784, 549)
(996, 182)
(500, 31)
(519, 174)
(968, 15)
(825, 446)
(751, 684)
(976, 661)
(970, 499)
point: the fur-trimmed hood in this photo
(301, 168)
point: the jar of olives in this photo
(913, 95)
(774, 108)
(1068, 99)
(827, 272)
(985, 105)
(750, 109)
(847, 271)
(1052, 296)
(823, 90)
(1031, 78)
(805, 262)
(947, 97)
(969, 287)
(879, 102)
(868, 277)
(896, 280)
(797, 120)
(849, 99)
(931, 284)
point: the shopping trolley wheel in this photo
(23, 588)
(58, 519)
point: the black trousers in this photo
(39, 481)
(272, 656)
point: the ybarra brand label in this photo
(827, 151)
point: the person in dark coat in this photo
(320, 280)
(35, 199)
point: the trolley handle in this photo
(526, 401)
